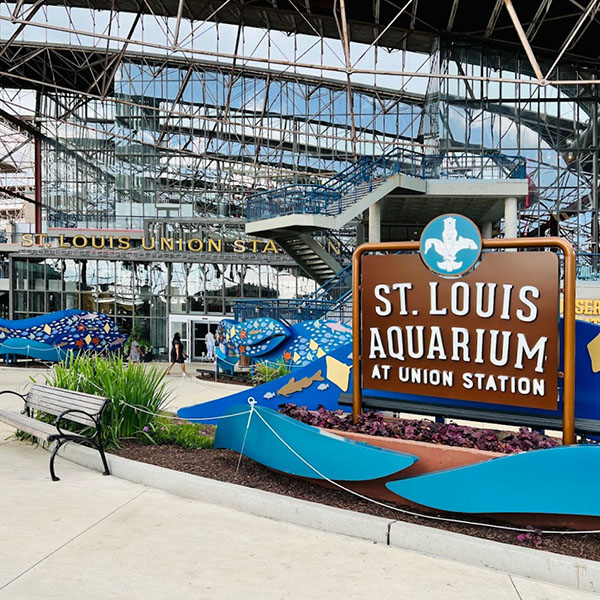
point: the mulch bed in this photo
(222, 464)
(224, 378)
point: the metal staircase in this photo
(335, 196)
(296, 215)
(333, 299)
(310, 255)
(290, 214)
(339, 199)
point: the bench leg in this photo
(52, 457)
(103, 456)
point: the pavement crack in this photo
(112, 512)
(515, 586)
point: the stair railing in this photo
(358, 179)
(329, 299)
(337, 193)
(290, 200)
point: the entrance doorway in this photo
(193, 330)
(181, 326)
(201, 328)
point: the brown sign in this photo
(489, 336)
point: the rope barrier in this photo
(267, 362)
(62, 352)
(408, 512)
(145, 410)
(164, 416)
(252, 402)
(28, 348)
(285, 364)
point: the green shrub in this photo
(186, 435)
(136, 330)
(268, 371)
(127, 385)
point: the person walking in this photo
(210, 346)
(178, 354)
(135, 352)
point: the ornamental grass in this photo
(136, 393)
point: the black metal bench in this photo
(582, 426)
(65, 405)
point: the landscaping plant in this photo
(136, 330)
(268, 371)
(532, 537)
(136, 393)
(424, 430)
(192, 436)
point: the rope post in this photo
(251, 402)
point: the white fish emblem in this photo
(449, 246)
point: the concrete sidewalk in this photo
(101, 537)
(185, 391)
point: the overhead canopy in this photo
(546, 23)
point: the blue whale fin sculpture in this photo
(336, 374)
(333, 456)
(266, 339)
(545, 481)
(50, 337)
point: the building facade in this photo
(144, 155)
(154, 235)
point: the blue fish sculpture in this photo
(50, 337)
(266, 339)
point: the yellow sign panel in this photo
(586, 309)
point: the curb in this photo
(576, 573)
(238, 497)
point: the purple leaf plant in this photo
(423, 430)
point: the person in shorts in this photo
(178, 354)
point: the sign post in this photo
(490, 335)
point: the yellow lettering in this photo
(96, 243)
(579, 307)
(215, 245)
(27, 240)
(80, 241)
(334, 248)
(166, 243)
(239, 246)
(270, 247)
(195, 245)
(145, 246)
(62, 243)
(254, 244)
(124, 243)
(588, 307)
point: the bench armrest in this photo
(78, 411)
(23, 397)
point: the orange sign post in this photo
(488, 336)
